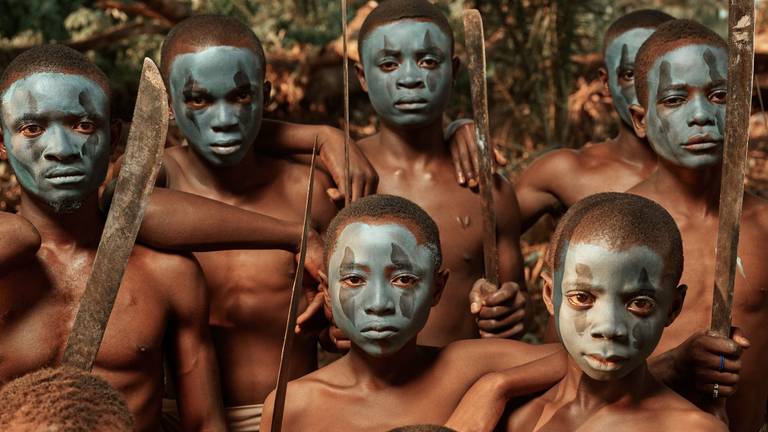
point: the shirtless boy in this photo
(616, 260)
(384, 275)
(56, 135)
(214, 70)
(681, 83)
(614, 165)
(408, 68)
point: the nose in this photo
(224, 117)
(702, 111)
(60, 146)
(410, 76)
(379, 301)
(607, 324)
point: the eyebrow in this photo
(387, 52)
(672, 87)
(431, 50)
(583, 286)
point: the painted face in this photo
(380, 282)
(620, 63)
(217, 97)
(409, 72)
(610, 308)
(56, 133)
(686, 105)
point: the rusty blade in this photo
(741, 51)
(347, 178)
(143, 155)
(285, 359)
(475, 45)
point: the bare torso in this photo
(457, 212)
(38, 303)
(559, 179)
(250, 289)
(750, 309)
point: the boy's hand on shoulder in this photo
(499, 312)
(460, 135)
(363, 176)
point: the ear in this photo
(441, 279)
(267, 88)
(3, 154)
(546, 292)
(361, 76)
(115, 129)
(456, 63)
(677, 304)
(603, 73)
(638, 120)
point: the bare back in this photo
(250, 289)
(457, 212)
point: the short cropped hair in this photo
(52, 58)
(386, 208)
(66, 398)
(620, 221)
(668, 37)
(207, 30)
(643, 18)
(395, 10)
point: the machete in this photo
(282, 376)
(475, 46)
(144, 151)
(741, 58)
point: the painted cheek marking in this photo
(583, 275)
(639, 334)
(346, 295)
(432, 75)
(241, 82)
(406, 303)
(665, 80)
(580, 322)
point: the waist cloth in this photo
(245, 418)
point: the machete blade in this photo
(144, 150)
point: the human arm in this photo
(20, 240)
(460, 136)
(292, 138)
(536, 187)
(193, 356)
(502, 312)
(483, 405)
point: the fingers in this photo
(507, 292)
(460, 178)
(480, 290)
(471, 144)
(339, 339)
(465, 159)
(371, 185)
(487, 312)
(497, 325)
(712, 376)
(314, 307)
(706, 389)
(335, 195)
(501, 160)
(516, 330)
(738, 336)
(718, 345)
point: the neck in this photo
(591, 395)
(694, 190)
(385, 371)
(237, 179)
(80, 228)
(419, 144)
(632, 148)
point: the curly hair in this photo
(68, 399)
(668, 37)
(378, 208)
(620, 221)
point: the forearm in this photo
(294, 138)
(181, 221)
(199, 394)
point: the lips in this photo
(605, 363)
(411, 103)
(226, 147)
(65, 175)
(702, 143)
(379, 331)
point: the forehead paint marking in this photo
(643, 280)
(665, 80)
(583, 271)
(85, 101)
(347, 295)
(400, 259)
(711, 61)
(626, 92)
(31, 101)
(387, 45)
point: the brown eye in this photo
(642, 306)
(31, 131)
(428, 63)
(628, 75)
(85, 127)
(197, 102)
(580, 299)
(244, 97)
(718, 96)
(673, 101)
(405, 281)
(388, 66)
(353, 280)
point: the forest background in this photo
(543, 58)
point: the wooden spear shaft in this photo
(741, 50)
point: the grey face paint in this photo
(685, 116)
(409, 72)
(613, 308)
(217, 95)
(56, 131)
(620, 64)
(382, 292)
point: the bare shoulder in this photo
(21, 240)
(550, 164)
(177, 276)
(667, 410)
(756, 210)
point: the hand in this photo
(698, 361)
(500, 312)
(365, 180)
(312, 321)
(481, 407)
(313, 262)
(461, 141)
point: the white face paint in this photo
(620, 63)
(610, 307)
(381, 285)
